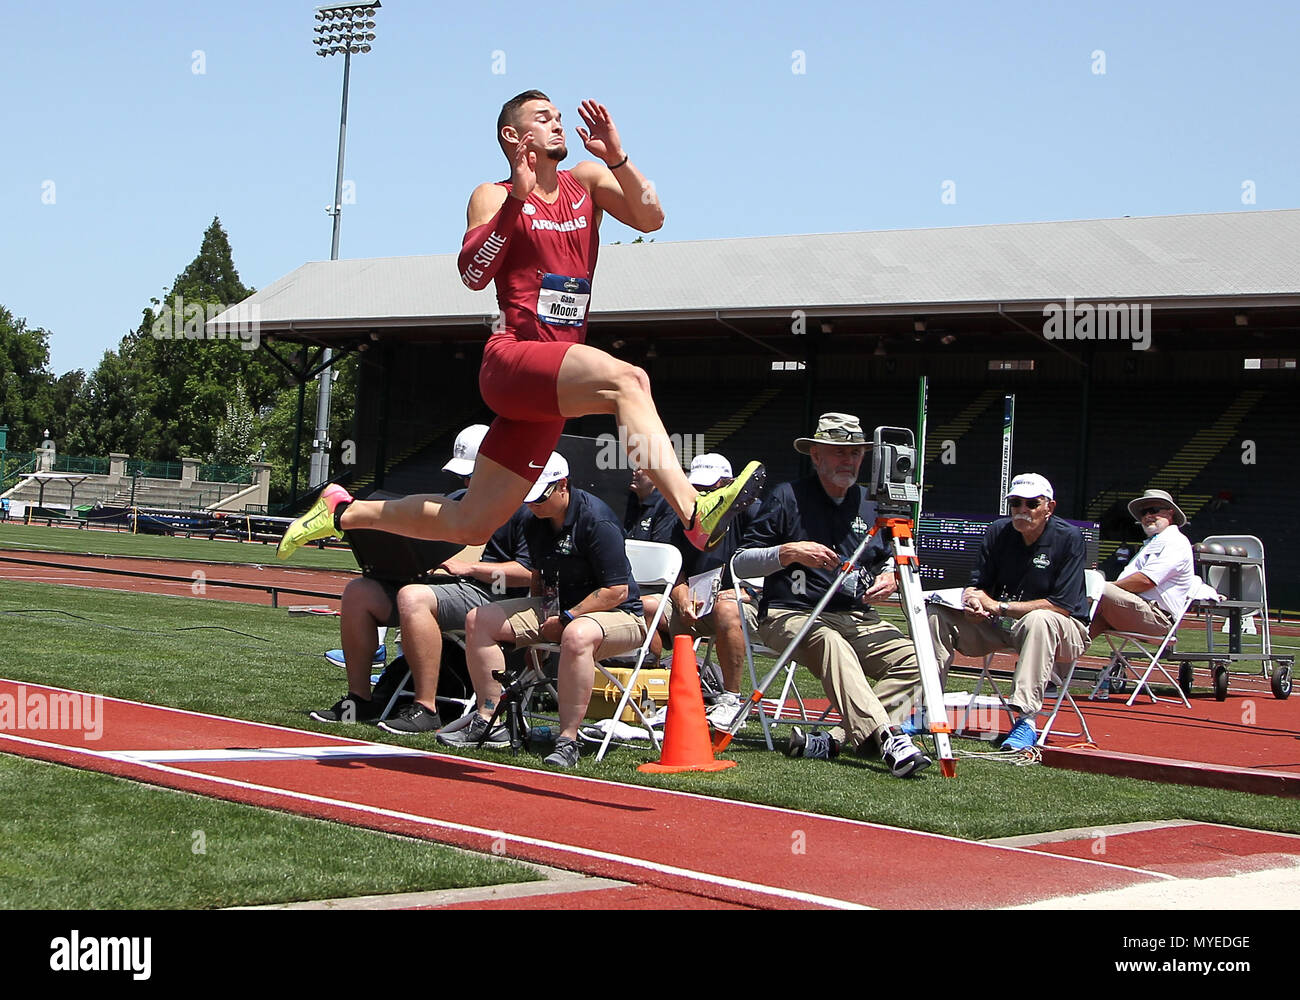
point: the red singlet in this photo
(543, 291)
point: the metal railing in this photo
(238, 474)
(153, 470)
(75, 463)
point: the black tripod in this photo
(516, 688)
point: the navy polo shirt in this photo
(1051, 568)
(695, 561)
(802, 512)
(587, 553)
(650, 520)
(509, 544)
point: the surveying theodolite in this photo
(894, 490)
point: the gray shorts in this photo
(455, 601)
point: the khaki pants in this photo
(1041, 639)
(707, 627)
(1122, 611)
(843, 650)
(623, 630)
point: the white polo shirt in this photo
(1166, 560)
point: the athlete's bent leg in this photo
(494, 494)
(591, 381)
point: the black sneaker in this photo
(903, 756)
(567, 753)
(814, 745)
(476, 734)
(349, 708)
(410, 719)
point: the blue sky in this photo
(119, 154)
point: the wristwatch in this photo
(566, 617)
(1002, 609)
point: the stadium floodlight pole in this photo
(347, 28)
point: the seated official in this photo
(1155, 586)
(1027, 594)
(583, 598)
(648, 517)
(805, 532)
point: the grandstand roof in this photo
(1236, 259)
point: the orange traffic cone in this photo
(686, 732)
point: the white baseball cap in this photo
(1030, 485)
(556, 468)
(464, 453)
(707, 469)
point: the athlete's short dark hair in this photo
(510, 110)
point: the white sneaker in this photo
(723, 713)
(903, 756)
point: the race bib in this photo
(562, 301)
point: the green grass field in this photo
(34, 538)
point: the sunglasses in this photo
(546, 493)
(840, 434)
(1018, 502)
(1152, 510)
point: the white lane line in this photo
(585, 852)
(264, 754)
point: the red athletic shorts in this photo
(518, 381)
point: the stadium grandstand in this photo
(747, 340)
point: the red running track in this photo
(273, 574)
(726, 852)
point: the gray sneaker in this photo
(566, 754)
(815, 745)
(412, 719)
(476, 734)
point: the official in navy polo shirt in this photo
(648, 517)
(722, 623)
(583, 597)
(806, 530)
(1027, 593)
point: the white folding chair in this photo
(1254, 587)
(1063, 674)
(653, 565)
(1094, 582)
(774, 711)
(457, 707)
(1141, 646)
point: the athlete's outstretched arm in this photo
(490, 219)
(485, 243)
(617, 187)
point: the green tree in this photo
(26, 384)
(234, 436)
(163, 396)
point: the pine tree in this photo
(166, 397)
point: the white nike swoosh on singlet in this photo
(532, 466)
(578, 204)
